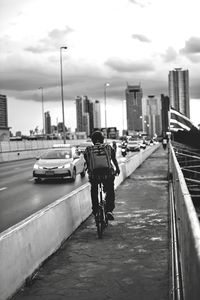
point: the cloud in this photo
(26, 72)
(192, 46)
(170, 55)
(141, 38)
(129, 66)
(52, 42)
(21, 75)
(192, 49)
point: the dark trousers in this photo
(108, 188)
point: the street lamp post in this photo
(141, 118)
(123, 116)
(105, 87)
(41, 88)
(63, 108)
(148, 129)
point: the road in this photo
(20, 196)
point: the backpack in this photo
(98, 158)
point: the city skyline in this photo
(118, 120)
(116, 41)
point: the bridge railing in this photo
(188, 228)
(26, 245)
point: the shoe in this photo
(110, 216)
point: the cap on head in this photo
(97, 137)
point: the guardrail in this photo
(25, 246)
(17, 150)
(188, 228)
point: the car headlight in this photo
(66, 166)
(36, 167)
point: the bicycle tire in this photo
(100, 222)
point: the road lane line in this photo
(3, 188)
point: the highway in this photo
(20, 196)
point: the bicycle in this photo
(101, 217)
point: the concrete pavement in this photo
(132, 259)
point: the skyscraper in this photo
(165, 114)
(3, 112)
(47, 122)
(97, 114)
(152, 115)
(87, 115)
(79, 114)
(134, 107)
(4, 129)
(178, 81)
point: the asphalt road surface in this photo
(20, 196)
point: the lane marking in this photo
(3, 188)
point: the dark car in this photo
(133, 145)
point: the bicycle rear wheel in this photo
(100, 222)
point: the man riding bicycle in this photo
(106, 179)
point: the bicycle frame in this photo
(101, 218)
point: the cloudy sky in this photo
(115, 41)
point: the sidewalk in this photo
(132, 259)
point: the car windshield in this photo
(57, 154)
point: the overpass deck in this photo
(132, 259)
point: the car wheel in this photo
(73, 175)
(38, 180)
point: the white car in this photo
(59, 163)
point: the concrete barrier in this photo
(17, 150)
(25, 246)
(188, 233)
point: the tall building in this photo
(4, 129)
(97, 114)
(152, 116)
(79, 114)
(178, 81)
(82, 114)
(47, 118)
(165, 114)
(3, 112)
(91, 116)
(87, 114)
(134, 107)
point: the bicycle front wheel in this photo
(100, 222)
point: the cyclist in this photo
(108, 180)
